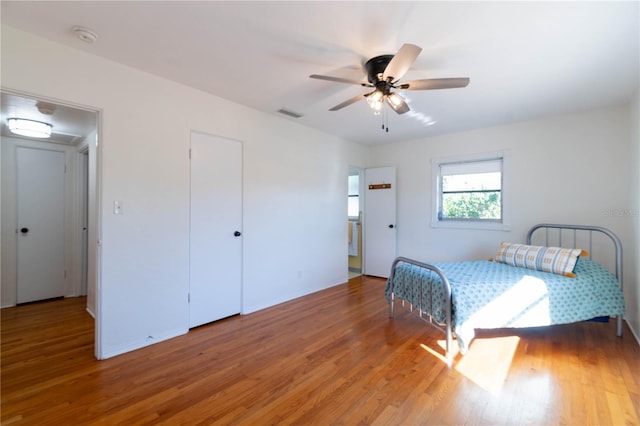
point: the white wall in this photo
(295, 185)
(8, 290)
(564, 169)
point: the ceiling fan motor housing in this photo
(375, 67)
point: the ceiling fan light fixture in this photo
(376, 106)
(375, 101)
(384, 72)
(395, 100)
(29, 128)
(375, 97)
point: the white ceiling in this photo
(525, 59)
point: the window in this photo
(353, 204)
(469, 192)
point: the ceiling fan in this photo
(384, 73)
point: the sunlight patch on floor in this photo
(441, 356)
(488, 361)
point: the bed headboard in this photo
(574, 232)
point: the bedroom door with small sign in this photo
(216, 229)
(380, 221)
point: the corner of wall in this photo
(633, 286)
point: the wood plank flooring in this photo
(333, 357)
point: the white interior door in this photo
(41, 239)
(216, 226)
(379, 221)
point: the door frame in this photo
(82, 183)
(361, 197)
(95, 215)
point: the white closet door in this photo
(41, 240)
(379, 221)
(216, 227)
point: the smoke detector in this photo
(45, 108)
(85, 34)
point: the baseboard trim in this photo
(132, 346)
(636, 335)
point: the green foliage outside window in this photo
(472, 196)
(471, 205)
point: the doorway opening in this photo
(354, 220)
(71, 156)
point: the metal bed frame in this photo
(446, 328)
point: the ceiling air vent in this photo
(289, 113)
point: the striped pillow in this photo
(557, 260)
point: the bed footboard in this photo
(446, 328)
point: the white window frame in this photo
(504, 225)
(357, 195)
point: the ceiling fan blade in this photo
(397, 104)
(434, 83)
(339, 80)
(349, 102)
(402, 61)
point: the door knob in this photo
(391, 226)
(24, 230)
(237, 234)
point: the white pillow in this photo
(557, 260)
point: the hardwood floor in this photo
(333, 357)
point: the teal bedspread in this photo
(489, 295)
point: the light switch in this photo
(117, 207)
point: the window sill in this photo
(488, 226)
